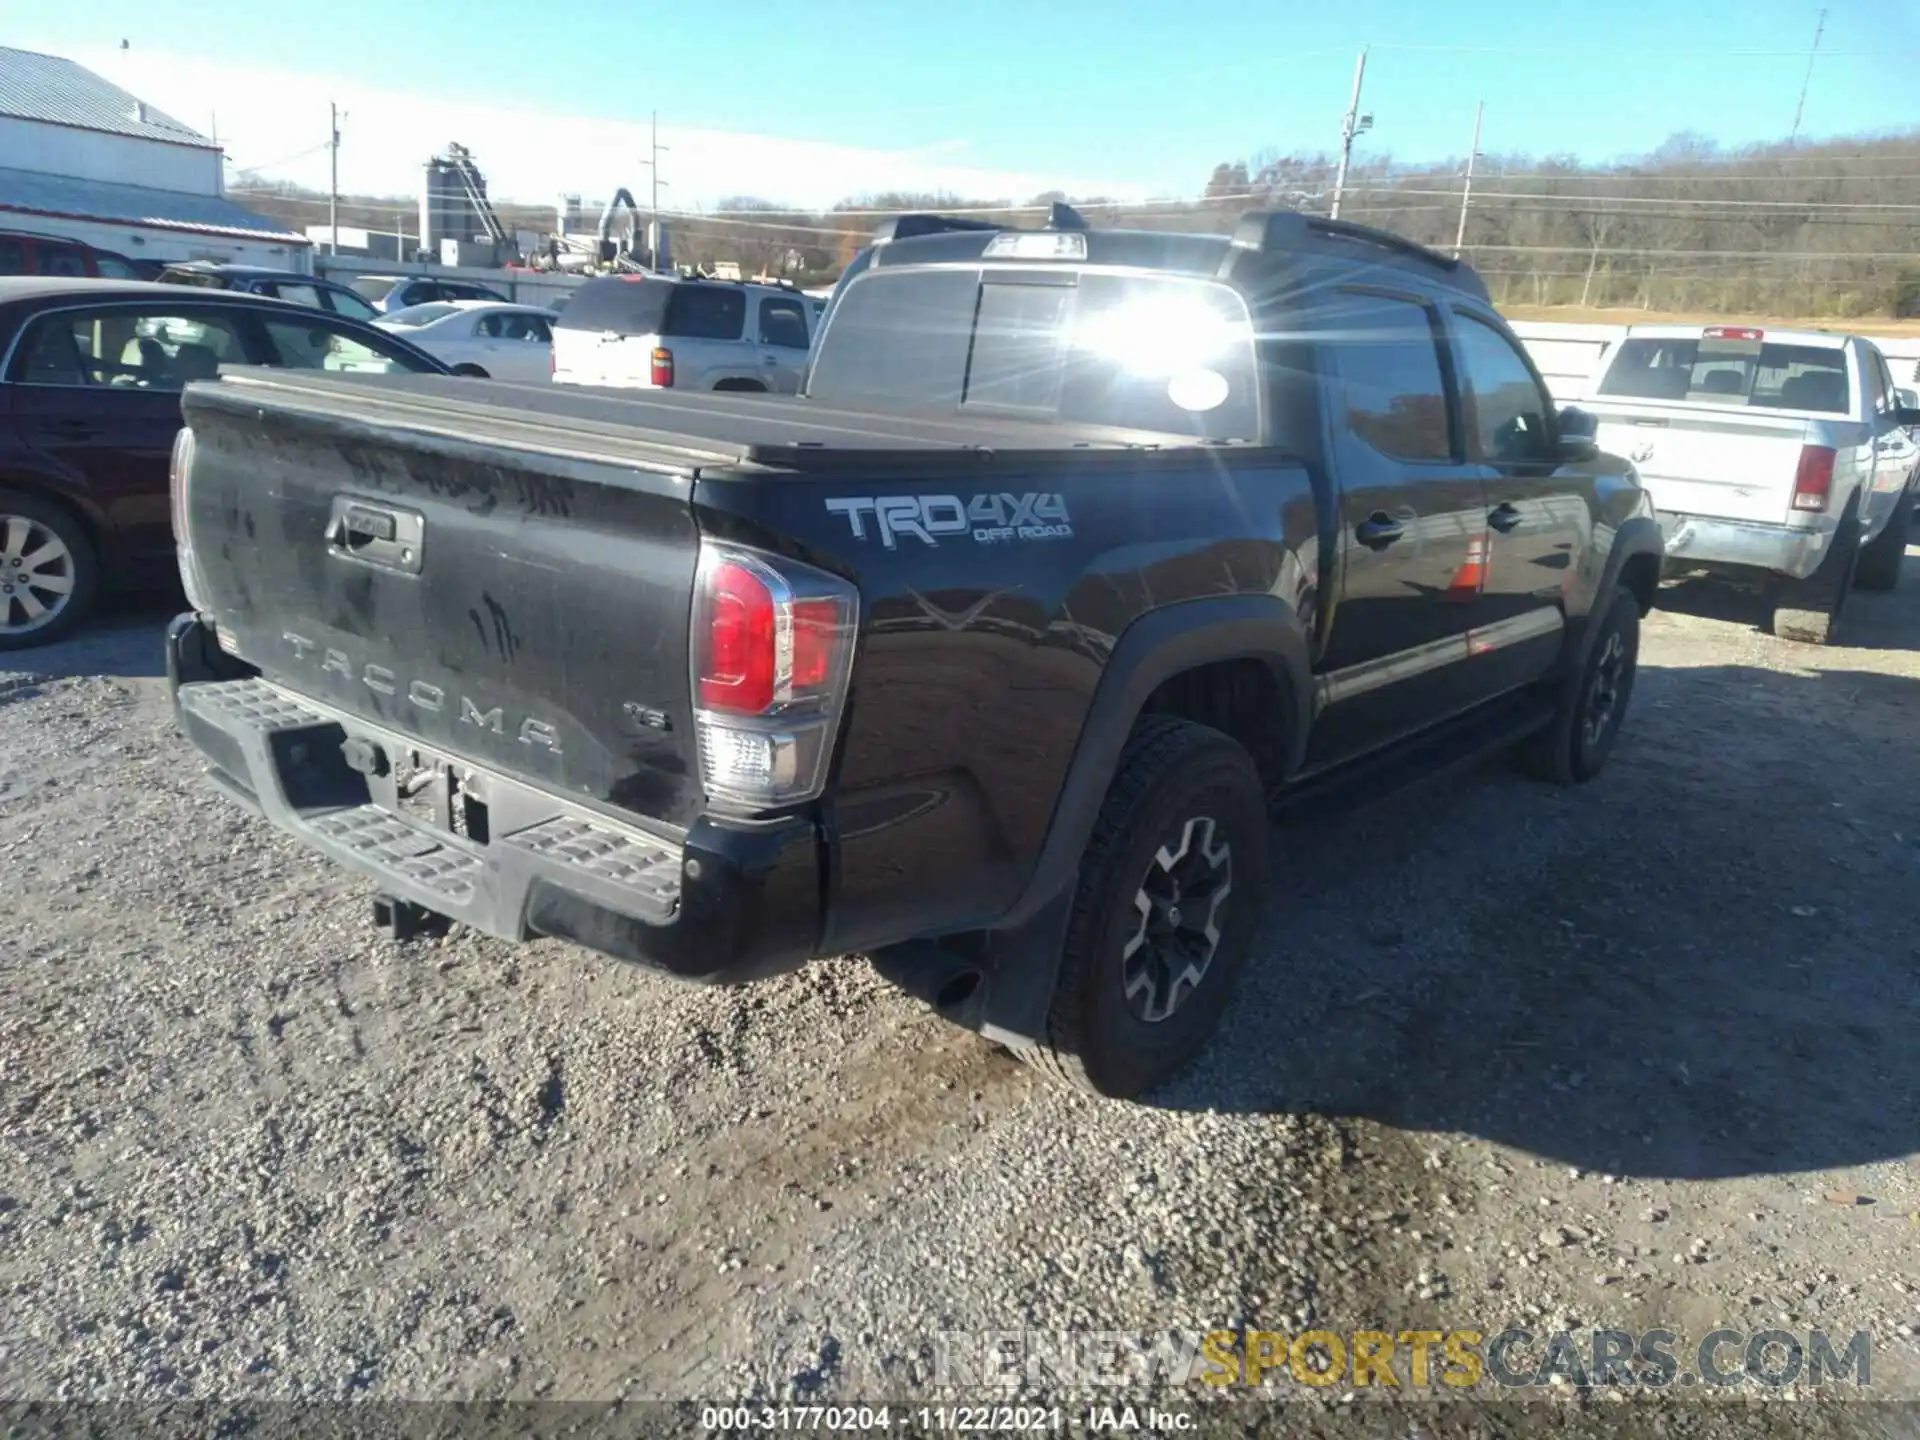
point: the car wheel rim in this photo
(36, 575)
(1179, 907)
(1603, 695)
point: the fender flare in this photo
(1637, 535)
(1156, 647)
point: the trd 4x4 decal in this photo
(990, 519)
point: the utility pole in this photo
(333, 183)
(1466, 191)
(1819, 29)
(1354, 124)
(652, 162)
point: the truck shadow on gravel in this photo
(1704, 964)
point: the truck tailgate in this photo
(1698, 460)
(508, 591)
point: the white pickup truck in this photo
(1776, 454)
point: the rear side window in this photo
(347, 303)
(706, 312)
(1388, 364)
(299, 294)
(13, 258)
(300, 345)
(112, 267)
(619, 305)
(783, 322)
(1146, 352)
(56, 260)
(1762, 374)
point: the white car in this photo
(487, 338)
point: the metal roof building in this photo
(79, 156)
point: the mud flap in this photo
(996, 982)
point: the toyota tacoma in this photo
(984, 657)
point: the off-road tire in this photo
(1880, 560)
(1808, 611)
(1172, 775)
(81, 571)
(1570, 750)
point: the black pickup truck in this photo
(983, 658)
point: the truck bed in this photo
(682, 430)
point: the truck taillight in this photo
(178, 469)
(772, 649)
(662, 369)
(1813, 482)
(1732, 332)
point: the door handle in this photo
(1504, 518)
(1378, 530)
(770, 360)
(74, 429)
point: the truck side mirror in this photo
(1578, 431)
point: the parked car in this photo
(480, 337)
(662, 332)
(24, 253)
(309, 290)
(90, 379)
(391, 293)
(1779, 455)
(938, 664)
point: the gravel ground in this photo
(1633, 1056)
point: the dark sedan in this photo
(90, 380)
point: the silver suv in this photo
(660, 332)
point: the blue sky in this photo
(1054, 90)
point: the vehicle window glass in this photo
(784, 323)
(193, 277)
(112, 267)
(896, 339)
(1885, 401)
(299, 294)
(128, 349)
(1019, 332)
(49, 355)
(1760, 373)
(376, 287)
(1507, 413)
(1384, 353)
(300, 345)
(349, 304)
(618, 305)
(417, 315)
(706, 312)
(13, 258)
(538, 330)
(1136, 351)
(60, 261)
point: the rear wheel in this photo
(49, 574)
(1164, 914)
(1880, 560)
(1809, 610)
